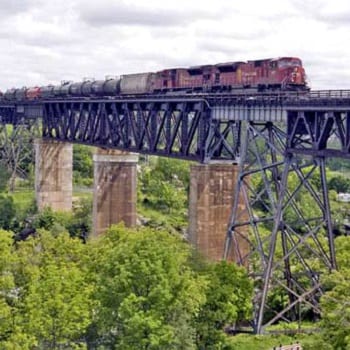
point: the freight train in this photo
(284, 73)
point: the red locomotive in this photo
(285, 73)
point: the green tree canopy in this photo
(339, 184)
(8, 212)
(147, 291)
(228, 300)
(335, 303)
(54, 304)
(8, 293)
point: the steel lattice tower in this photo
(281, 209)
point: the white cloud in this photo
(48, 41)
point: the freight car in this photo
(285, 73)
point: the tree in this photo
(81, 221)
(228, 302)
(4, 177)
(339, 184)
(8, 212)
(82, 165)
(147, 290)
(164, 184)
(55, 304)
(336, 310)
(7, 284)
(16, 149)
(174, 170)
(56, 222)
(165, 196)
(335, 303)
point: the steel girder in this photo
(283, 215)
(319, 133)
(164, 128)
(8, 114)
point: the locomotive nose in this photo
(296, 75)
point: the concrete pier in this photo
(53, 174)
(115, 190)
(211, 196)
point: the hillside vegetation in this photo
(141, 288)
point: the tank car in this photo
(107, 87)
(9, 94)
(62, 90)
(75, 89)
(86, 87)
(111, 87)
(33, 93)
(136, 84)
(65, 88)
(97, 87)
(83, 88)
(47, 91)
(56, 90)
(20, 94)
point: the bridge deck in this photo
(202, 127)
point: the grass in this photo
(23, 198)
(268, 342)
(173, 222)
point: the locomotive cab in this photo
(291, 72)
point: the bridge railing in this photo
(323, 94)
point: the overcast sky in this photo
(46, 41)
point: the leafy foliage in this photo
(82, 165)
(7, 284)
(228, 301)
(138, 289)
(335, 302)
(8, 212)
(164, 183)
(162, 195)
(339, 184)
(5, 176)
(78, 223)
(49, 298)
(58, 302)
(147, 291)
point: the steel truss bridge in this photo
(280, 144)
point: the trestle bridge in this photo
(280, 143)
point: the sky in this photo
(48, 41)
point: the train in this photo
(273, 74)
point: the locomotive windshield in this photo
(284, 63)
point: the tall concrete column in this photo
(53, 174)
(211, 197)
(115, 189)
